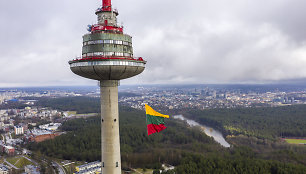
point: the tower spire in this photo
(107, 5)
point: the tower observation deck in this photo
(107, 52)
(107, 56)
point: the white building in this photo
(18, 130)
(50, 127)
(31, 169)
(4, 169)
(9, 150)
(90, 168)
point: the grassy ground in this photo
(295, 141)
(18, 161)
(72, 113)
(12, 160)
(22, 162)
(147, 171)
(1, 160)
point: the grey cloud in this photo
(196, 42)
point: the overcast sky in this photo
(202, 41)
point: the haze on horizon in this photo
(201, 41)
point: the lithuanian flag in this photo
(155, 120)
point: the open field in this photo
(22, 162)
(12, 160)
(295, 141)
(19, 162)
(147, 171)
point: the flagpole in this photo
(146, 118)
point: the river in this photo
(217, 135)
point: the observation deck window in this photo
(119, 63)
(118, 42)
(127, 54)
(108, 53)
(98, 53)
(108, 41)
(118, 54)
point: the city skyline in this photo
(194, 42)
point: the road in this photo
(59, 167)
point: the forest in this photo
(262, 122)
(80, 104)
(189, 149)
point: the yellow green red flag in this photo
(155, 120)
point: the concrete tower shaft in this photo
(111, 159)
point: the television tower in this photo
(107, 56)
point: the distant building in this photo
(19, 130)
(26, 152)
(50, 127)
(31, 169)
(6, 128)
(40, 135)
(9, 150)
(90, 168)
(214, 94)
(32, 124)
(167, 167)
(4, 169)
(25, 127)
